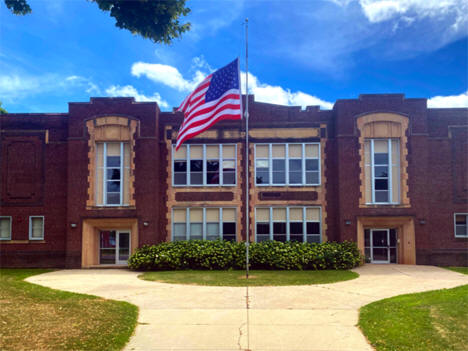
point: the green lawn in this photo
(430, 321)
(463, 270)
(37, 318)
(256, 278)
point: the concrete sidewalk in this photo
(313, 317)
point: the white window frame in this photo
(287, 158)
(221, 159)
(204, 222)
(30, 228)
(288, 229)
(10, 219)
(104, 173)
(390, 166)
(455, 224)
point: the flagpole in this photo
(246, 116)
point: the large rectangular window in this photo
(5, 228)
(301, 224)
(36, 228)
(382, 162)
(204, 223)
(113, 174)
(287, 164)
(204, 165)
(461, 225)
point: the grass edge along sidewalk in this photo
(256, 278)
(427, 321)
(34, 317)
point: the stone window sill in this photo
(22, 241)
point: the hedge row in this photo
(218, 255)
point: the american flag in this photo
(216, 98)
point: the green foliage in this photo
(221, 255)
(18, 7)
(157, 20)
(2, 110)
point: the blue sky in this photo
(300, 52)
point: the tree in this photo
(2, 110)
(157, 20)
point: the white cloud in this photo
(167, 75)
(130, 91)
(90, 87)
(449, 101)
(278, 95)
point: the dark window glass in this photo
(279, 227)
(313, 239)
(113, 198)
(261, 238)
(381, 184)
(312, 165)
(381, 171)
(113, 161)
(393, 237)
(180, 179)
(212, 166)
(262, 177)
(295, 177)
(393, 255)
(113, 186)
(312, 177)
(229, 237)
(295, 237)
(279, 165)
(295, 165)
(263, 228)
(367, 237)
(279, 177)
(313, 228)
(212, 177)
(367, 254)
(279, 237)
(381, 196)
(229, 178)
(113, 174)
(229, 228)
(296, 228)
(196, 166)
(196, 178)
(380, 159)
(460, 219)
(180, 166)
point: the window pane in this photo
(367, 238)
(113, 198)
(381, 196)
(460, 219)
(295, 237)
(279, 165)
(279, 237)
(196, 166)
(312, 177)
(261, 238)
(229, 237)
(229, 165)
(261, 164)
(181, 154)
(295, 177)
(279, 177)
(262, 178)
(37, 227)
(229, 228)
(212, 151)
(460, 229)
(381, 171)
(212, 231)
(180, 215)
(296, 228)
(380, 159)
(312, 165)
(313, 228)
(279, 228)
(295, 165)
(5, 228)
(180, 179)
(212, 177)
(261, 151)
(381, 184)
(113, 174)
(113, 161)
(229, 178)
(313, 239)
(179, 231)
(295, 150)
(113, 186)
(196, 178)
(196, 230)
(229, 151)
(180, 166)
(212, 166)
(263, 228)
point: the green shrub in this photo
(219, 255)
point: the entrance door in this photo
(114, 246)
(381, 245)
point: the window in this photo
(113, 174)
(203, 223)
(288, 224)
(204, 165)
(382, 170)
(461, 225)
(5, 228)
(287, 164)
(36, 228)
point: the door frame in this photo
(117, 246)
(371, 231)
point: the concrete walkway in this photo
(313, 317)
